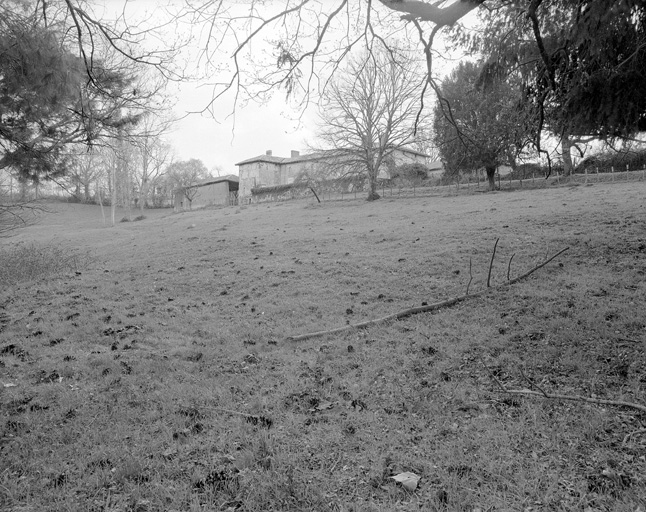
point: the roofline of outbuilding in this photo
(231, 178)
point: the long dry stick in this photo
(575, 398)
(420, 309)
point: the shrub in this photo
(26, 262)
(414, 172)
(606, 161)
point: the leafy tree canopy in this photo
(583, 62)
(478, 126)
(187, 173)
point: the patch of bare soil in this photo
(160, 377)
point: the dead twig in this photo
(493, 255)
(554, 396)
(532, 384)
(631, 434)
(420, 309)
(500, 384)
(629, 340)
(578, 398)
(470, 277)
(509, 265)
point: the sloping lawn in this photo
(146, 367)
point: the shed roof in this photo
(412, 151)
(218, 179)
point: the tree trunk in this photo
(143, 192)
(566, 148)
(491, 177)
(113, 200)
(98, 193)
(372, 178)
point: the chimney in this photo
(295, 154)
(268, 153)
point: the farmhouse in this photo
(271, 171)
(222, 190)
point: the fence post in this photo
(627, 171)
(586, 175)
(612, 172)
(509, 181)
(498, 181)
(533, 174)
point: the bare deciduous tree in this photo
(152, 154)
(367, 113)
(185, 175)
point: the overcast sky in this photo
(228, 139)
(253, 130)
(257, 128)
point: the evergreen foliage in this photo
(47, 99)
(478, 126)
(583, 62)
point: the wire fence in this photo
(462, 185)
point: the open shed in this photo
(222, 190)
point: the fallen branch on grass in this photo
(574, 398)
(423, 309)
(577, 398)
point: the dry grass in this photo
(30, 261)
(159, 378)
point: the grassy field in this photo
(147, 367)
